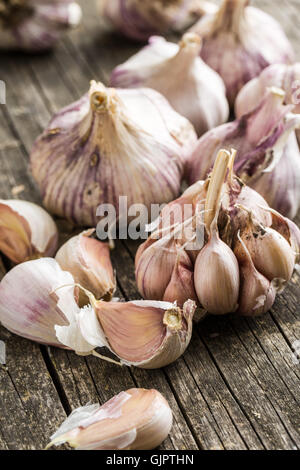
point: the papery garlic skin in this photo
(137, 419)
(162, 65)
(36, 25)
(27, 231)
(88, 260)
(268, 159)
(239, 41)
(132, 138)
(141, 19)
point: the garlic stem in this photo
(230, 15)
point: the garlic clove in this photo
(161, 65)
(137, 419)
(26, 231)
(88, 260)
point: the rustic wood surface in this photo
(237, 387)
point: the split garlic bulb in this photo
(88, 260)
(26, 231)
(38, 302)
(137, 419)
(239, 41)
(36, 25)
(268, 159)
(177, 72)
(111, 143)
(141, 19)
(237, 250)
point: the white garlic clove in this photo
(36, 25)
(26, 231)
(161, 65)
(137, 419)
(239, 41)
(131, 137)
(88, 260)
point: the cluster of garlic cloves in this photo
(111, 143)
(36, 25)
(161, 65)
(88, 260)
(268, 159)
(136, 419)
(239, 41)
(38, 301)
(246, 253)
(26, 231)
(139, 20)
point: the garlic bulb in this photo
(88, 260)
(177, 72)
(286, 77)
(236, 254)
(36, 25)
(111, 143)
(268, 159)
(38, 302)
(239, 41)
(137, 419)
(141, 19)
(26, 231)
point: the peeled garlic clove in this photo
(137, 419)
(217, 278)
(36, 25)
(140, 20)
(161, 65)
(146, 334)
(257, 294)
(121, 143)
(239, 41)
(26, 231)
(88, 260)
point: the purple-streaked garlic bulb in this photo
(268, 159)
(38, 301)
(286, 77)
(177, 72)
(239, 41)
(137, 419)
(88, 260)
(27, 231)
(235, 252)
(111, 143)
(36, 25)
(139, 20)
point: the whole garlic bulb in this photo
(88, 260)
(286, 77)
(268, 159)
(111, 143)
(141, 19)
(38, 302)
(137, 419)
(36, 25)
(177, 72)
(27, 231)
(242, 250)
(239, 41)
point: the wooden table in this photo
(238, 385)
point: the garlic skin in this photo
(36, 25)
(137, 419)
(27, 231)
(131, 137)
(162, 65)
(239, 41)
(139, 20)
(268, 159)
(88, 260)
